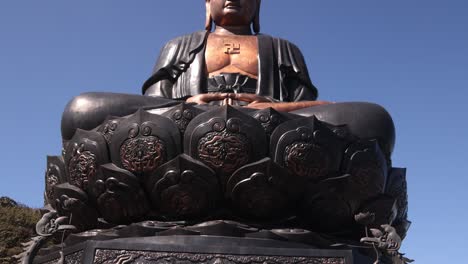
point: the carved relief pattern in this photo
(75, 258)
(51, 180)
(55, 261)
(120, 198)
(183, 188)
(232, 48)
(365, 176)
(219, 147)
(262, 189)
(306, 160)
(82, 167)
(142, 257)
(142, 154)
(224, 150)
(182, 201)
(108, 130)
(259, 199)
(269, 122)
(183, 118)
(367, 166)
(184, 195)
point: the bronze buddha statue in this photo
(236, 65)
(227, 144)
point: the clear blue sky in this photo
(409, 56)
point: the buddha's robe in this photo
(180, 70)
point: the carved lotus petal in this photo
(270, 119)
(108, 127)
(85, 152)
(182, 115)
(183, 188)
(366, 164)
(262, 189)
(55, 174)
(324, 206)
(142, 142)
(307, 148)
(119, 196)
(225, 139)
(74, 203)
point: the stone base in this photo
(201, 249)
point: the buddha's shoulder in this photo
(278, 41)
(195, 38)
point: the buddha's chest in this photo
(232, 54)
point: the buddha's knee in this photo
(365, 120)
(83, 111)
(89, 110)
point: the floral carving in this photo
(306, 160)
(81, 167)
(225, 139)
(52, 179)
(224, 150)
(366, 164)
(182, 195)
(142, 142)
(143, 154)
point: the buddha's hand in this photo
(249, 98)
(207, 98)
(287, 106)
(227, 98)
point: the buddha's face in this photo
(232, 12)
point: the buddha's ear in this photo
(256, 21)
(209, 19)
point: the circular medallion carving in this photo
(82, 167)
(184, 200)
(224, 150)
(143, 154)
(306, 160)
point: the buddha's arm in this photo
(300, 89)
(162, 88)
(286, 106)
(260, 102)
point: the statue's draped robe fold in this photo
(180, 71)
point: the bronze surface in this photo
(232, 54)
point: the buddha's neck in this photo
(233, 30)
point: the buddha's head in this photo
(233, 13)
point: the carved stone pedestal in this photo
(200, 249)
